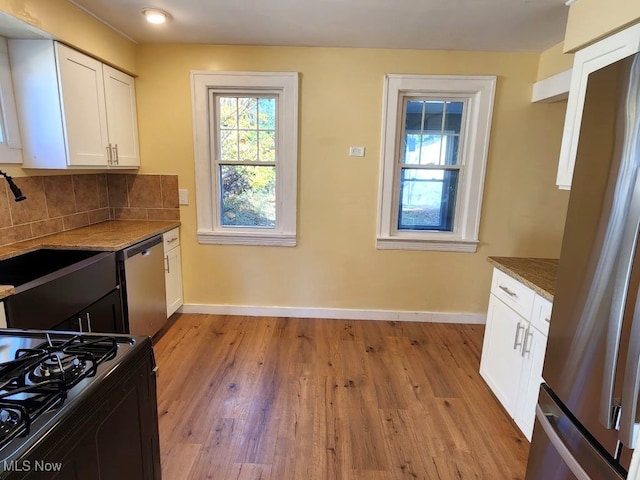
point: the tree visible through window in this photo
(247, 159)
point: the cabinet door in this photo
(533, 350)
(104, 316)
(122, 120)
(587, 61)
(173, 280)
(501, 352)
(70, 325)
(81, 88)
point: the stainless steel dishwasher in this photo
(142, 277)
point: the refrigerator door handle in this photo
(628, 411)
(545, 420)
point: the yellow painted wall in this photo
(590, 20)
(335, 263)
(553, 61)
(68, 23)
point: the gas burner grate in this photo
(39, 378)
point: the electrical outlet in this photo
(356, 151)
(183, 196)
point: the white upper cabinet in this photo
(75, 112)
(585, 62)
(122, 123)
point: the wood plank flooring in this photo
(248, 398)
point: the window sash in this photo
(401, 165)
(218, 163)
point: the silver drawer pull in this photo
(508, 292)
(171, 240)
(547, 319)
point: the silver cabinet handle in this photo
(171, 240)
(117, 157)
(508, 292)
(516, 343)
(526, 349)
(547, 319)
(80, 323)
(89, 322)
(109, 155)
(167, 269)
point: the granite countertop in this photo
(539, 274)
(109, 236)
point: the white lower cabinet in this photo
(513, 348)
(173, 270)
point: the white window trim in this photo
(286, 85)
(11, 148)
(480, 92)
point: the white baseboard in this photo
(336, 313)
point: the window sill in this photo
(441, 245)
(233, 238)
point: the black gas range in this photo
(77, 406)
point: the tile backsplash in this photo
(57, 203)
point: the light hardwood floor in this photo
(248, 398)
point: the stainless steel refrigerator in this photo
(587, 413)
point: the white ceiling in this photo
(490, 25)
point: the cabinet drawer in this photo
(171, 239)
(541, 314)
(513, 293)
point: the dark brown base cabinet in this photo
(113, 435)
(104, 316)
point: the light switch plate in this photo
(183, 196)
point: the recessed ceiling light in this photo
(155, 15)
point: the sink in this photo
(53, 287)
(27, 267)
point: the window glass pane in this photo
(248, 113)
(450, 149)
(228, 112)
(433, 116)
(267, 145)
(427, 199)
(413, 120)
(248, 145)
(411, 149)
(248, 196)
(453, 118)
(229, 145)
(267, 113)
(430, 149)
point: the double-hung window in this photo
(434, 149)
(246, 157)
